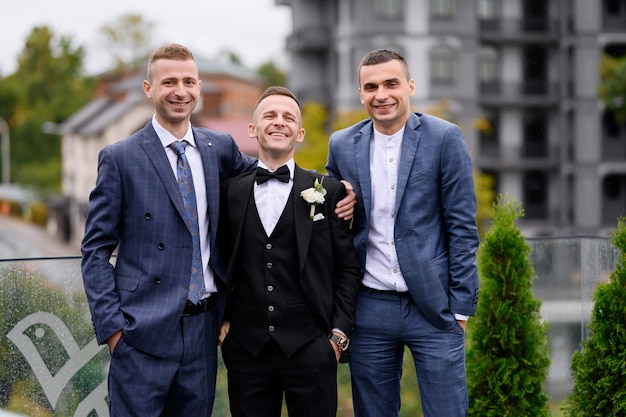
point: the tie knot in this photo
(179, 146)
(281, 174)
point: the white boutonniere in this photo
(314, 195)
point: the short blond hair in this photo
(173, 51)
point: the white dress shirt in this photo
(382, 269)
(199, 185)
(271, 198)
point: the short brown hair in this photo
(276, 90)
(380, 56)
(173, 51)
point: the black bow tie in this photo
(281, 174)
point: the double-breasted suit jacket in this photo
(328, 272)
(435, 232)
(136, 205)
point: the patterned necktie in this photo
(185, 183)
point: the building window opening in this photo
(442, 9)
(389, 9)
(442, 65)
(535, 195)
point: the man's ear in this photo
(146, 88)
(300, 137)
(251, 131)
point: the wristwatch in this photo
(341, 341)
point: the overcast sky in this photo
(253, 29)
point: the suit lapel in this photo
(210, 167)
(408, 152)
(239, 195)
(301, 212)
(153, 148)
(362, 160)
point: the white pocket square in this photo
(318, 216)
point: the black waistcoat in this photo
(268, 302)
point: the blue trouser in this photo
(182, 384)
(385, 324)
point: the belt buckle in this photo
(203, 305)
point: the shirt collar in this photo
(395, 136)
(167, 138)
(290, 164)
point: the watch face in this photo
(344, 344)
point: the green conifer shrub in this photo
(508, 357)
(599, 369)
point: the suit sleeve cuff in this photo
(336, 330)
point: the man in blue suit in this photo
(156, 200)
(416, 237)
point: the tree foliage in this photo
(484, 185)
(600, 367)
(612, 89)
(508, 356)
(128, 39)
(312, 153)
(271, 74)
(48, 86)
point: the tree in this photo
(271, 74)
(484, 189)
(600, 367)
(129, 39)
(313, 151)
(230, 57)
(612, 89)
(508, 358)
(48, 85)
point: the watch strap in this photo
(341, 341)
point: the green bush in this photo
(600, 367)
(508, 355)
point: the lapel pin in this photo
(210, 143)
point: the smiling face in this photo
(174, 89)
(386, 91)
(277, 126)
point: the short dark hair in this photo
(276, 90)
(173, 51)
(380, 56)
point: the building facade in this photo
(520, 77)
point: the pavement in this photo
(19, 239)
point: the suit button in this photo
(271, 328)
(161, 246)
(148, 216)
(270, 308)
(269, 265)
(268, 246)
(270, 288)
(157, 280)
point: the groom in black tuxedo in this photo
(293, 275)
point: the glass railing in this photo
(51, 365)
(567, 271)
